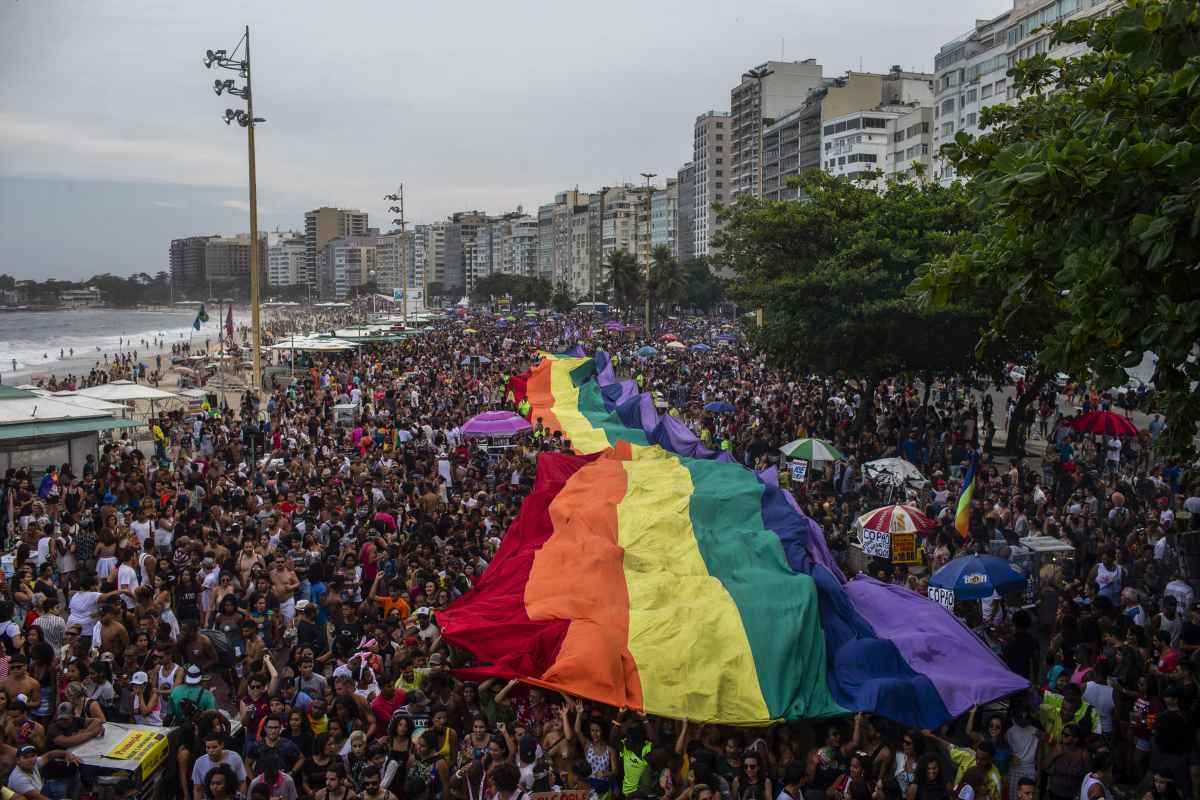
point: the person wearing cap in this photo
(191, 692)
(26, 778)
(147, 704)
(69, 729)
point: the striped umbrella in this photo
(812, 450)
(1104, 422)
(897, 519)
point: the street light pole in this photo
(758, 75)
(646, 290)
(247, 120)
(401, 254)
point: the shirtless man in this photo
(284, 583)
(111, 634)
(19, 681)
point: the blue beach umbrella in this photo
(719, 407)
(647, 352)
(701, 346)
(977, 577)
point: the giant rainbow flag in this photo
(646, 571)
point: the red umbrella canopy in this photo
(897, 519)
(670, 337)
(1105, 423)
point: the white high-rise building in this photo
(286, 261)
(969, 75)
(755, 104)
(714, 178)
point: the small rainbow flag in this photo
(962, 516)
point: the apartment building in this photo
(286, 261)
(969, 75)
(664, 217)
(755, 103)
(893, 136)
(347, 263)
(685, 213)
(227, 258)
(186, 258)
(711, 155)
(321, 226)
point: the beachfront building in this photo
(348, 263)
(755, 103)
(285, 262)
(711, 137)
(188, 274)
(321, 226)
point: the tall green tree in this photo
(831, 274)
(668, 281)
(624, 278)
(703, 289)
(1091, 186)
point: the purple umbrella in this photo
(495, 423)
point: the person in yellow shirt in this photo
(964, 758)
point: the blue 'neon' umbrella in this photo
(647, 352)
(701, 346)
(719, 407)
(977, 577)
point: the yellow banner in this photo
(147, 748)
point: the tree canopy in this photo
(520, 288)
(1092, 190)
(830, 275)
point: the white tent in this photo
(83, 401)
(124, 391)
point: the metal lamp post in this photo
(247, 120)
(400, 254)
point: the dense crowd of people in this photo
(266, 582)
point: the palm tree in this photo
(668, 282)
(624, 277)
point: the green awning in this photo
(61, 427)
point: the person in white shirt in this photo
(1099, 695)
(1096, 782)
(127, 576)
(142, 526)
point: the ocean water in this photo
(35, 338)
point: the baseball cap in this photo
(193, 675)
(27, 750)
(423, 610)
(65, 710)
(139, 678)
(302, 604)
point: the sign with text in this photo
(565, 794)
(904, 548)
(876, 543)
(799, 471)
(943, 596)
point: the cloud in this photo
(167, 204)
(237, 205)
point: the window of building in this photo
(899, 136)
(841, 160)
(720, 148)
(720, 137)
(948, 106)
(1001, 85)
(828, 130)
(986, 91)
(719, 173)
(971, 119)
(720, 160)
(972, 95)
(720, 124)
(874, 122)
(947, 128)
(854, 124)
(719, 184)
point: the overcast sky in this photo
(111, 143)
